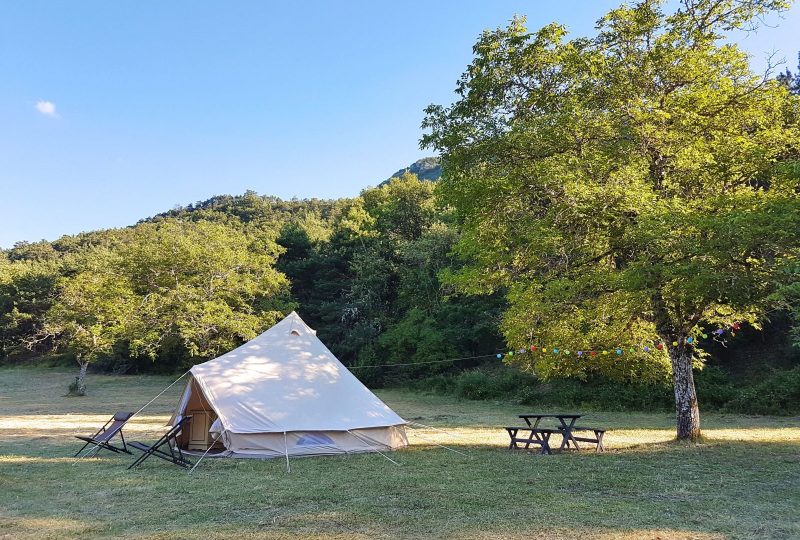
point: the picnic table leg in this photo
(513, 434)
(529, 441)
(545, 444)
(535, 436)
(535, 424)
(567, 429)
(599, 436)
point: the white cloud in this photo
(47, 108)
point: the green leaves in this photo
(623, 187)
(203, 285)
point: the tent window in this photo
(295, 333)
(314, 439)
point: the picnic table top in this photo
(548, 430)
(550, 415)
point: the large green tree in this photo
(625, 189)
(198, 287)
(367, 278)
(92, 311)
(203, 286)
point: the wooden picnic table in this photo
(566, 425)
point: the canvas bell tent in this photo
(284, 393)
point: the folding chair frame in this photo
(175, 455)
(106, 444)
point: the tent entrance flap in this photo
(197, 436)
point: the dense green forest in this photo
(369, 273)
(184, 285)
(675, 213)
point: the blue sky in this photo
(114, 111)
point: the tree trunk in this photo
(686, 409)
(687, 412)
(82, 377)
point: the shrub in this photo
(714, 387)
(598, 393)
(496, 383)
(478, 384)
(475, 385)
(437, 384)
(777, 394)
(74, 389)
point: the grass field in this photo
(743, 481)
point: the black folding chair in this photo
(173, 453)
(103, 436)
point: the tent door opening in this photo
(196, 436)
(199, 436)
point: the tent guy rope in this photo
(493, 355)
(373, 446)
(207, 450)
(437, 429)
(159, 394)
(619, 350)
(441, 445)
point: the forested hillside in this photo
(369, 273)
(184, 285)
(376, 275)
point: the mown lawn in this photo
(743, 481)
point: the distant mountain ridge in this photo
(428, 168)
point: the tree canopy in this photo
(188, 284)
(626, 188)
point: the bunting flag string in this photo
(657, 344)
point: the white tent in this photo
(284, 393)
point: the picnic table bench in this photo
(534, 435)
(597, 439)
(538, 436)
